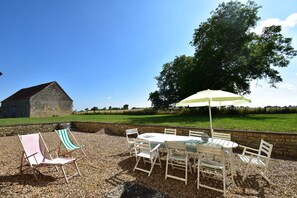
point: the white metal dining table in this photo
(191, 142)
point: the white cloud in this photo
(263, 95)
(109, 98)
(287, 86)
(289, 22)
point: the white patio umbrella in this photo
(212, 98)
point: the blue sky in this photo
(107, 53)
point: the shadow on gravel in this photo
(131, 189)
(26, 179)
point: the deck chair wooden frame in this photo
(69, 142)
(212, 163)
(35, 154)
(143, 150)
(257, 159)
(178, 158)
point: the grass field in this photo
(258, 122)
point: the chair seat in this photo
(147, 154)
(130, 142)
(58, 161)
(255, 161)
(212, 164)
(178, 157)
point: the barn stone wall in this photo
(50, 101)
(15, 109)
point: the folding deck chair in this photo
(69, 142)
(35, 154)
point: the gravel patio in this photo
(108, 172)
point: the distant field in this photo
(258, 122)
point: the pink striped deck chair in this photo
(35, 154)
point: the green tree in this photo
(94, 109)
(228, 56)
(125, 106)
(172, 82)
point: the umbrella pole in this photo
(210, 119)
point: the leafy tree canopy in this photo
(228, 56)
(125, 106)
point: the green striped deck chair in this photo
(69, 141)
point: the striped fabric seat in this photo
(63, 133)
(69, 141)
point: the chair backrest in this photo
(141, 145)
(197, 133)
(218, 152)
(265, 149)
(32, 144)
(222, 136)
(170, 131)
(131, 134)
(173, 147)
(64, 135)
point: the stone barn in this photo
(43, 100)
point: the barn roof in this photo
(27, 93)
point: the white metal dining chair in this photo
(130, 135)
(195, 133)
(163, 150)
(143, 150)
(212, 164)
(225, 136)
(257, 159)
(177, 157)
(170, 131)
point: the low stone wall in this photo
(284, 144)
(27, 129)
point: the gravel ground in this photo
(108, 172)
